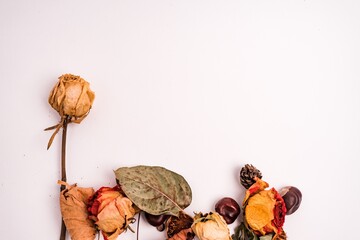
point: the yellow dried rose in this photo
(210, 226)
(111, 211)
(72, 98)
(73, 205)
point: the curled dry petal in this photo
(73, 205)
(210, 227)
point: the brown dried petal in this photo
(178, 226)
(73, 205)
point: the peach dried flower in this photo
(264, 209)
(111, 211)
(210, 226)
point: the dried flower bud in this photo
(210, 226)
(111, 211)
(73, 205)
(292, 198)
(72, 97)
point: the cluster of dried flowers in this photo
(264, 209)
(145, 189)
(161, 194)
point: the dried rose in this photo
(72, 98)
(73, 205)
(210, 226)
(179, 228)
(111, 211)
(264, 209)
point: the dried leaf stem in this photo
(63, 169)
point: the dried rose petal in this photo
(73, 205)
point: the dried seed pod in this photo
(248, 174)
(292, 198)
(228, 208)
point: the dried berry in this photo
(156, 220)
(228, 208)
(248, 174)
(292, 198)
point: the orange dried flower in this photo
(111, 211)
(264, 209)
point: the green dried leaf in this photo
(243, 233)
(154, 189)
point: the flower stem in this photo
(63, 170)
(138, 225)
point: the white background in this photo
(198, 87)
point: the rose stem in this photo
(63, 171)
(137, 228)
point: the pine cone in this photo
(247, 175)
